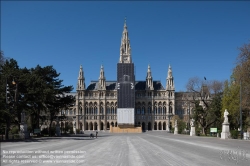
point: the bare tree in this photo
(204, 95)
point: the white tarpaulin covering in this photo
(125, 116)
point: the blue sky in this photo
(196, 38)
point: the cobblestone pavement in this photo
(150, 149)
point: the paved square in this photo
(149, 148)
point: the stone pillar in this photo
(225, 127)
(175, 127)
(77, 121)
(225, 131)
(74, 126)
(83, 122)
(105, 118)
(99, 125)
(192, 132)
(23, 127)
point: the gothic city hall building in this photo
(97, 104)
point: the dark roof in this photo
(141, 85)
(111, 85)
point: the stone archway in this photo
(149, 126)
(91, 126)
(164, 126)
(112, 124)
(86, 126)
(143, 126)
(115, 124)
(95, 126)
(155, 126)
(108, 126)
(159, 126)
(101, 126)
(80, 127)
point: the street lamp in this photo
(189, 116)
(241, 131)
(7, 104)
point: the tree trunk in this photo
(7, 129)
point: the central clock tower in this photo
(125, 82)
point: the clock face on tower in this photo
(125, 58)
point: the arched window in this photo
(101, 110)
(108, 110)
(138, 111)
(149, 109)
(159, 110)
(155, 110)
(112, 110)
(143, 111)
(80, 110)
(96, 110)
(86, 111)
(92, 110)
(164, 110)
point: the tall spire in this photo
(102, 80)
(170, 79)
(149, 80)
(169, 71)
(125, 49)
(81, 80)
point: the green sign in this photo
(213, 130)
(37, 131)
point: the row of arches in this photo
(156, 126)
(144, 125)
(94, 125)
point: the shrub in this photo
(52, 131)
(181, 126)
(45, 131)
(234, 134)
(78, 131)
(14, 130)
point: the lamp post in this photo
(189, 116)
(7, 104)
(241, 130)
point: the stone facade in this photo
(96, 104)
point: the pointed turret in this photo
(149, 80)
(170, 79)
(125, 49)
(81, 80)
(102, 80)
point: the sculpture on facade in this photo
(226, 116)
(192, 122)
(225, 134)
(175, 123)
